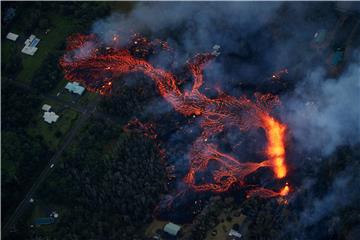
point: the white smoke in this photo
(324, 113)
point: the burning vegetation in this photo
(97, 65)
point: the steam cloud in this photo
(322, 113)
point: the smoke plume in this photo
(257, 39)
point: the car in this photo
(52, 165)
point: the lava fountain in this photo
(97, 67)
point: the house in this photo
(12, 36)
(44, 221)
(74, 87)
(234, 234)
(172, 229)
(50, 117)
(30, 45)
(46, 107)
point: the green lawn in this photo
(87, 97)
(65, 95)
(53, 133)
(6, 49)
(61, 28)
(40, 210)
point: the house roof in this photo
(12, 36)
(46, 107)
(172, 228)
(30, 45)
(234, 233)
(29, 50)
(75, 88)
(50, 117)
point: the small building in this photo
(50, 117)
(46, 107)
(30, 45)
(44, 221)
(172, 229)
(12, 36)
(74, 87)
(234, 234)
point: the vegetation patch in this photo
(53, 133)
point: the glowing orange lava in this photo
(101, 67)
(276, 145)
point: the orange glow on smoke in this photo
(214, 113)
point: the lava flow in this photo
(96, 66)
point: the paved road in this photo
(54, 160)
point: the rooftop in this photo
(50, 117)
(46, 107)
(172, 228)
(30, 45)
(12, 36)
(75, 88)
(235, 234)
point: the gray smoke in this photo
(343, 191)
(324, 113)
(200, 22)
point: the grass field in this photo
(7, 47)
(223, 228)
(53, 133)
(60, 28)
(48, 43)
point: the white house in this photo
(74, 87)
(235, 234)
(46, 107)
(12, 36)
(30, 45)
(50, 117)
(172, 228)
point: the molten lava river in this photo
(97, 65)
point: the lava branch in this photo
(97, 68)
